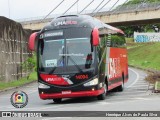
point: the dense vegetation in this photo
(129, 30)
(140, 1)
(146, 56)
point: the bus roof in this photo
(66, 21)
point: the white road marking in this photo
(142, 98)
(55, 118)
(140, 85)
(136, 78)
(32, 91)
(100, 103)
(131, 100)
(31, 86)
(128, 92)
(5, 107)
(6, 97)
(103, 103)
(28, 92)
(39, 108)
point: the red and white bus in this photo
(79, 56)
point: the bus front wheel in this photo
(57, 100)
(103, 96)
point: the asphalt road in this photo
(135, 97)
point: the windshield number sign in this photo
(81, 77)
(51, 63)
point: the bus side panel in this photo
(117, 67)
(124, 63)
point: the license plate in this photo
(66, 92)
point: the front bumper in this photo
(71, 94)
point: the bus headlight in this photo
(92, 82)
(41, 85)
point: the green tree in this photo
(140, 1)
(29, 65)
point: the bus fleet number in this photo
(81, 77)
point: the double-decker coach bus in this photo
(79, 56)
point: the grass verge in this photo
(20, 82)
(144, 55)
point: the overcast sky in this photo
(20, 9)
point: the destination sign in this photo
(52, 34)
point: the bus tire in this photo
(121, 87)
(57, 100)
(103, 95)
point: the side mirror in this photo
(31, 41)
(95, 37)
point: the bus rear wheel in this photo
(121, 87)
(57, 100)
(103, 95)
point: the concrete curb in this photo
(156, 90)
(145, 69)
(150, 71)
(12, 88)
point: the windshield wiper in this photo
(62, 57)
(76, 65)
(52, 71)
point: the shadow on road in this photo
(83, 99)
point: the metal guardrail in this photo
(132, 8)
(49, 18)
(117, 10)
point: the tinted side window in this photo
(111, 38)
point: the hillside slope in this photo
(144, 55)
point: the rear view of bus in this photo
(72, 62)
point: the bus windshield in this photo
(66, 53)
(78, 49)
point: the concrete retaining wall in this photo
(13, 49)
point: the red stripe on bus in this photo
(72, 94)
(54, 79)
(112, 86)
